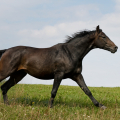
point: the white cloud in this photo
(50, 35)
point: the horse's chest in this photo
(78, 70)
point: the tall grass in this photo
(30, 102)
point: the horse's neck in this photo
(81, 47)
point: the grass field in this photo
(30, 102)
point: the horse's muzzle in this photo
(114, 49)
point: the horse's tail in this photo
(2, 51)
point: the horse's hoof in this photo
(103, 107)
(51, 102)
(50, 106)
(6, 103)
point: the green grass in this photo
(30, 102)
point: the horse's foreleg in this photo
(57, 81)
(14, 79)
(80, 81)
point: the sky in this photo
(44, 23)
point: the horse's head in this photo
(103, 42)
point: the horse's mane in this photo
(78, 34)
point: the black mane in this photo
(78, 34)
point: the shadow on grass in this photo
(82, 103)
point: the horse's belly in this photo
(41, 74)
(45, 76)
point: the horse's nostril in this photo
(116, 47)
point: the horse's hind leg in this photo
(14, 79)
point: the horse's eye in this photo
(103, 37)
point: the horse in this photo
(61, 61)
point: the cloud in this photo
(51, 34)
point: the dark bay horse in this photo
(58, 62)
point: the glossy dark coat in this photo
(58, 62)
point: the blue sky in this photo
(43, 23)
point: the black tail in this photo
(2, 51)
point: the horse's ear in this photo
(97, 29)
